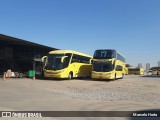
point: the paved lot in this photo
(133, 93)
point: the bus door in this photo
(75, 67)
(119, 71)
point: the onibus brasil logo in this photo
(21, 114)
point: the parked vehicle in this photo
(108, 64)
(67, 64)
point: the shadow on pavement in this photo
(81, 78)
(151, 76)
(100, 80)
(50, 79)
(90, 79)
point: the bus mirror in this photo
(91, 61)
(62, 59)
(44, 58)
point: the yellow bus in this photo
(155, 72)
(139, 71)
(136, 71)
(108, 64)
(67, 64)
(126, 70)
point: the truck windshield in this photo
(55, 63)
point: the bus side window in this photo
(119, 68)
(74, 59)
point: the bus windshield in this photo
(103, 66)
(104, 54)
(55, 61)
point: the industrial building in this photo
(20, 55)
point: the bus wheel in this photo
(114, 77)
(70, 76)
(122, 76)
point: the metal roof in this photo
(16, 41)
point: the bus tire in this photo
(122, 75)
(70, 76)
(114, 77)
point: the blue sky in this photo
(130, 26)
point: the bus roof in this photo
(68, 51)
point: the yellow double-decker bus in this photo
(108, 64)
(67, 64)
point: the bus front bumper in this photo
(102, 76)
(55, 74)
